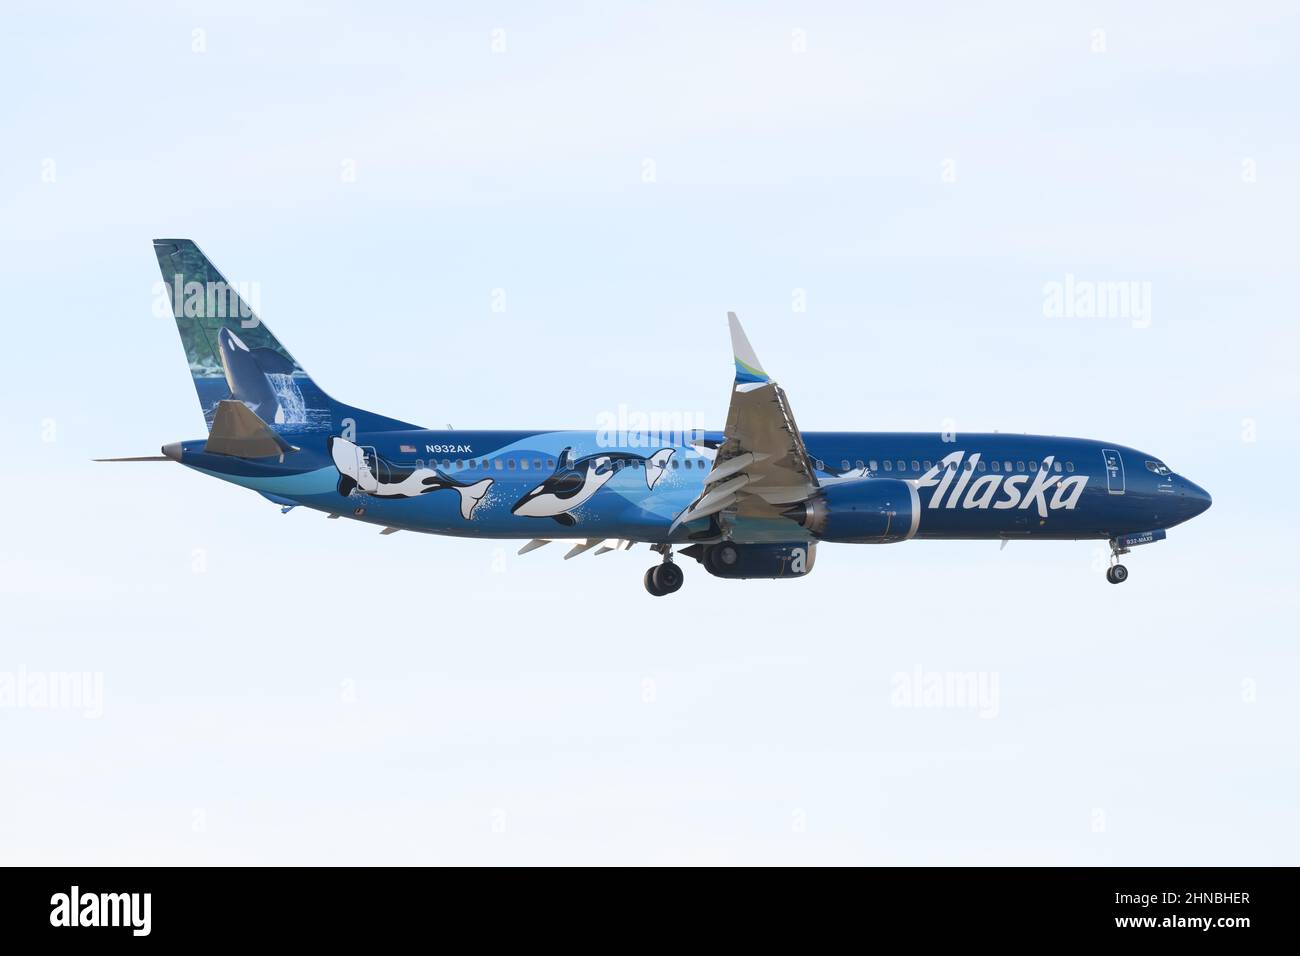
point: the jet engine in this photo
(729, 560)
(865, 511)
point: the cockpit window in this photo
(1158, 467)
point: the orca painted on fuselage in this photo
(573, 483)
(361, 469)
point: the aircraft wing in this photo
(762, 466)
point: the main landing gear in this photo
(1116, 573)
(664, 578)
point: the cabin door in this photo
(367, 469)
(1114, 471)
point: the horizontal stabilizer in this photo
(137, 458)
(238, 432)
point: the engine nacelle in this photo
(729, 560)
(865, 511)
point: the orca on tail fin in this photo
(233, 355)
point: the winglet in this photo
(747, 367)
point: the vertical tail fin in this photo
(233, 355)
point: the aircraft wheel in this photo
(667, 577)
(650, 584)
(1117, 575)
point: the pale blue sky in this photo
(312, 692)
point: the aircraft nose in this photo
(1197, 498)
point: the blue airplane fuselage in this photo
(476, 483)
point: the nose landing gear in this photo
(664, 578)
(1116, 573)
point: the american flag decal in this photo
(408, 449)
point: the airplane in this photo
(753, 500)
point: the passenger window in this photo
(926, 464)
(499, 465)
(1006, 466)
(1056, 466)
(446, 464)
(550, 463)
(980, 466)
(969, 466)
(1020, 466)
(997, 465)
(871, 465)
(419, 463)
(844, 465)
(676, 463)
(523, 464)
(460, 463)
(819, 464)
(1033, 466)
(510, 463)
(1069, 466)
(858, 463)
(485, 464)
(902, 466)
(916, 465)
(889, 465)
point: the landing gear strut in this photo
(1116, 573)
(664, 578)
